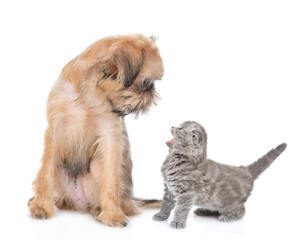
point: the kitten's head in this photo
(190, 135)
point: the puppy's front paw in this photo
(159, 217)
(177, 225)
(41, 209)
(112, 221)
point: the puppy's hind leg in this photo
(42, 204)
(64, 204)
(130, 208)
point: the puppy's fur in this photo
(86, 163)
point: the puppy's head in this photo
(127, 73)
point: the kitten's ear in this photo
(195, 135)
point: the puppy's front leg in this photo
(42, 204)
(109, 154)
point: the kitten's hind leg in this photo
(232, 215)
(167, 206)
(205, 212)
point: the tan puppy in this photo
(86, 163)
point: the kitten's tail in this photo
(257, 167)
(148, 203)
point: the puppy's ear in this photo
(109, 69)
(129, 63)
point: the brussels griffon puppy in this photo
(86, 164)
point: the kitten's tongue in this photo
(171, 141)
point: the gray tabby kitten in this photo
(192, 179)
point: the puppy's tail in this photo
(257, 167)
(148, 203)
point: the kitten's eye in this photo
(179, 128)
(193, 136)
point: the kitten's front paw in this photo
(177, 225)
(159, 217)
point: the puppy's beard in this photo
(134, 102)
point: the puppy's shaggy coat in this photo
(86, 164)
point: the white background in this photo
(237, 67)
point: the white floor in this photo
(263, 219)
(70, 225)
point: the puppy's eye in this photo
(145, 81)
(147, 84)
(193, 136)
(179, 128)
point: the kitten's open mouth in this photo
(170, 141)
